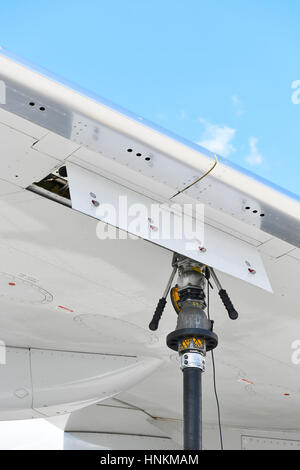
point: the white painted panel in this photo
(66, 381)
(134, 154)
(53, 382)
(15, 389)
(295, 253)
(276, 248)
(8, 188)
(22, 125)
(20, 163)
(223, 251)
(56, 146)
(265, 443)
(120, 173)
(10, 414)
(113, 420)
(99, 441)
(96, 162)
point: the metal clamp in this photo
(192, 359)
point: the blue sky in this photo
(219, 73)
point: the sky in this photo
(225, 74)
(219, 73)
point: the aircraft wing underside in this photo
(75, 309)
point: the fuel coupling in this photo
(193, 335)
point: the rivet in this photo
(21, 393)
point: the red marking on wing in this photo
(65, 308)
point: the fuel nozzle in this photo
(192, 338)
(193, 326)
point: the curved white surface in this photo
(43, 382)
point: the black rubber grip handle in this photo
(153, 325)
(233, 314)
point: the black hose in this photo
(192, 408)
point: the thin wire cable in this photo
(214, 378)
(199, 179)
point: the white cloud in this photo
(217, 138)
(238, 105)
(254, 157)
